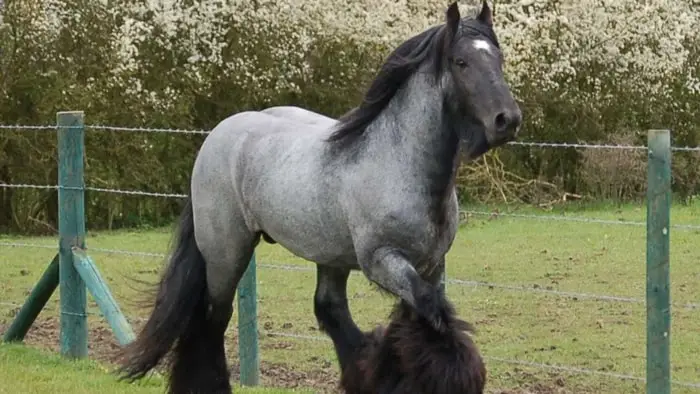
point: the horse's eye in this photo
(460, 62)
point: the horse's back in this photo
(253, 133)
(302, 115)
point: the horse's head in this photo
(476, 89)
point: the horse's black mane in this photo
(399, 66)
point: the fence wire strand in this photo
(28, 245)
(95, 189)
(538, 144)
(135, 192)
(26, 186)
(577, 219)
(27, 127)
(145, 129)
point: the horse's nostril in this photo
(507, 122)
(501, 121)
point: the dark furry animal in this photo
(410, 356)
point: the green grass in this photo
(28, 370)
(603, 336)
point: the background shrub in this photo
(583, 71)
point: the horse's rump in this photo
(272, 167)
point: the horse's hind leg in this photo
(333, 313)
(227, 246)
(194, 303)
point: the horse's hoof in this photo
(434, 309)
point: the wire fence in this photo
(503, 360)
(455, 281)
(492, 214)
(452, 281)
(536, 144)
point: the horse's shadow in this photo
(410, 356)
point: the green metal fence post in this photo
(658, 263)
(71, 228)
(248, 352)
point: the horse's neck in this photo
(419, 135)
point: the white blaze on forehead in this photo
(483, 45)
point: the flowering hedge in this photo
(582, 70)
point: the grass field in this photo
(518, 317)
(28, 370)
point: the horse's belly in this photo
(321, 253)
(311, 241)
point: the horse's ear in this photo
(452, 19)
(485, 15)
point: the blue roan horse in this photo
(373, 191)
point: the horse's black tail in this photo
(180, 306)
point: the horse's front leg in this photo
(333, 313)
(391, 270)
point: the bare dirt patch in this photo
(102, 346)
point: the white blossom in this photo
(585, 48)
